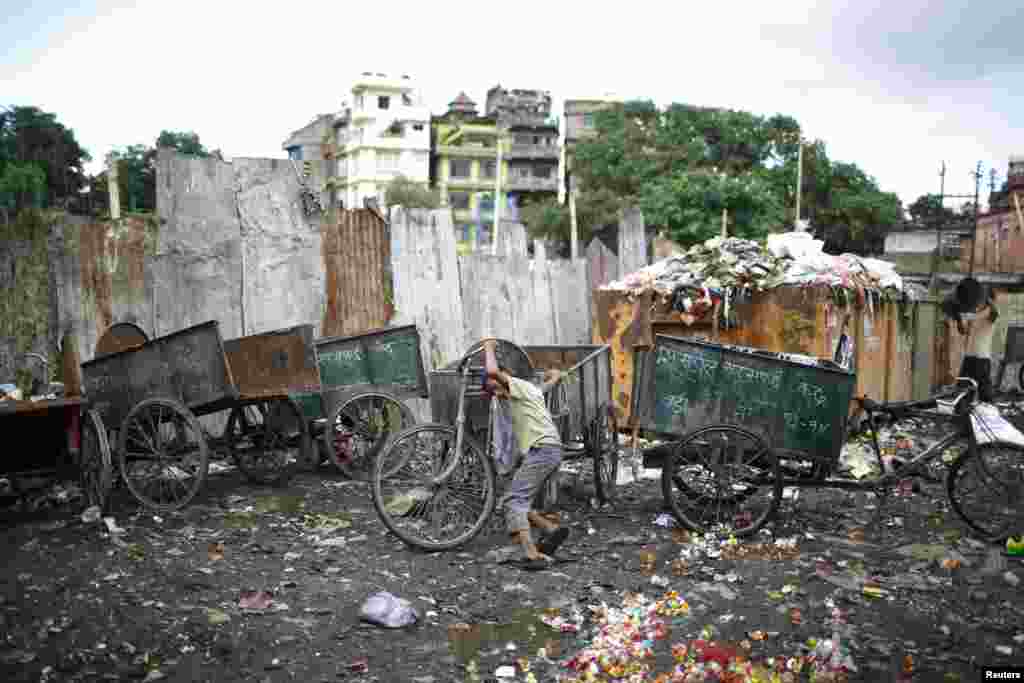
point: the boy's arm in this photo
(491, 363)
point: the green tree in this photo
(22, 185)
(29, 135)
(928, 210)
(855, 215)
(402, 191)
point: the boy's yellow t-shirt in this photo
(531, 420)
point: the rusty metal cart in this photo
(365, 380)
(266, 432)
(435, 485)
(151, 395)
(61, 438)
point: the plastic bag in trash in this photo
(384, 609)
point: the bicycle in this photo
(436, 485)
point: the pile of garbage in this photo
(730, 269)
(623, 649)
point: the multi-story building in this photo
(383, 133)
(307, 143)
(524, 117)
(465, 166)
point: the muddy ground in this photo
(160, 599)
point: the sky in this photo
(896, 87)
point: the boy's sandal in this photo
(551, 541)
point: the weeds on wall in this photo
(25, 303)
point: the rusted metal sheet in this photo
(188, 365)
(113, 264)
(357, 263)
(274, 364)
(26, 407)
(624, 324)
(119, 337)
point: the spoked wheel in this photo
(433, 516)
(722, 480)
(604, 449)
(96, 472)
(359, 428)
(163, 455)
(986, 488)
(268, 440)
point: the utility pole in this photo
(938, 220)
(799, 183)
(974, 233)
(497, 194)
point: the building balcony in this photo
(527, 120)
(469, 183)
(467, 151)
(532, 184)
(533, 152)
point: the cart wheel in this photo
(604, 449)
(267, 440)
(358, 429)
(433, 516)
(162, 453)
(986, 488)
(95, 469)
(722, 479)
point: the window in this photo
(542, 171)
(588, 120)
(487, 168)
(521, 171)
(406, 100)
(387, 162)
(522, 140)
(417, 126)
(383, 102)
(295, 153)
(458, 200)
(458, 168)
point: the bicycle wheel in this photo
(163, 454)
(359, 428)
(728, 481)
(985, 488)
(95, 469)
(433, 516)
(604, 449)
(267, 440)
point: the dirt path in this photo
(161, 600)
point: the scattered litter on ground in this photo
(385, 609)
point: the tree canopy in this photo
(41, 162)
(682, 165)
(402, 191)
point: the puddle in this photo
(525, 629)
(239, 520)
(286, 504)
